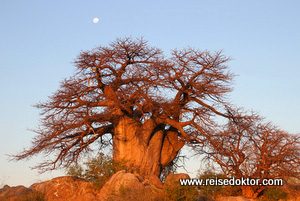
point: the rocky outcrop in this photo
(58, 189)
(121, 186)
(128, 186)
(173, 179)
(8, 193)
(67, 188)
(233, 198)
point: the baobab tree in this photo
(130, 96)
(248, 147)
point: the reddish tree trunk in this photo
(251, 192)
(248, 192)
(142, 151)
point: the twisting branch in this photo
(128, 78)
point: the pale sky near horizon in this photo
(39, 40)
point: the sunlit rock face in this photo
(121, 186)
(8, 193)
(66, 188)
(128, 186)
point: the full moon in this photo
(95, 20)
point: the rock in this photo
(15, 193)
(67, 188)
(173, 179)
(155, 182)
(118, 183)
(121, 186)
(128, 186)
(233, 198)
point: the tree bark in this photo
(142, 149)
(249, 192)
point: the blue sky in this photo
(39, 40)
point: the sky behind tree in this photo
(40, 40)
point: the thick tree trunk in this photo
(247, 191)
(142, 149)
(250, 191)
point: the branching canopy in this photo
(129, 78)
(250, 147)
